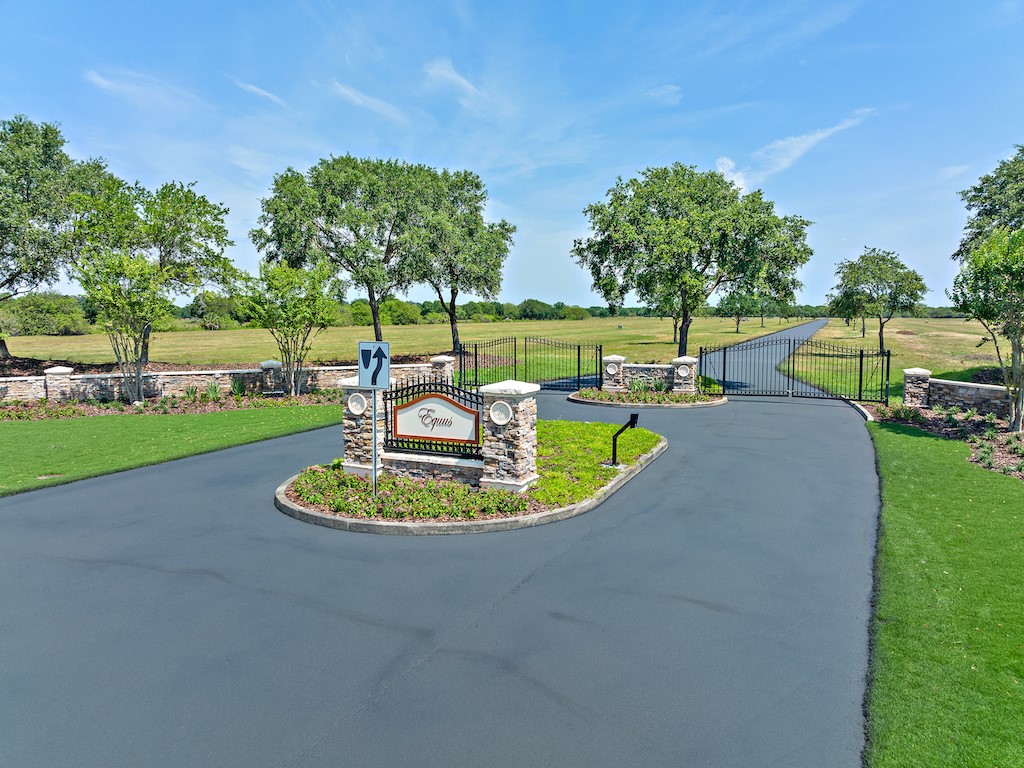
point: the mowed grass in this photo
(946, 347)
(640, 339)
(947, 684)
(78, 448)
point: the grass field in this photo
(946, 347)
(948, 649)
(34, 454)
(640, 339)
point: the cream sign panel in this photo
(436, 417)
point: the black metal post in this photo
(888, 358)
(600, 366)
(633, 417)
(725, 382)
(515, 358)
(860, 383)
(579, 360)
(476, 364)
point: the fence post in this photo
(860, 382)
(725, 382)
(579, 353)
(515, 358)
(600, 368)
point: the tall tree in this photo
(996, 201)
(460, 251)
(364, 215)
(676, 235)
(884, 284)
(737, 304)
(36, 181)
(990, 288)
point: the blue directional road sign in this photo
(374, 363)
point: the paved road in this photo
(752, 366)
(712, 613)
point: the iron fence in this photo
(552, 364)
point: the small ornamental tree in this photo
(885, 284)
(129, 293)
(990, 289)
(737, 304)
(294, 304)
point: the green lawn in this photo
(946, 347)
(640, 339)
(947, 683)
(78, 448)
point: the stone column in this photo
(614, 376)
(58, 383)
(685, 377)
(272, 381)
(510, 435)
(444, 368)
(915, 387)
(357, 427)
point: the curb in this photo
(401, 528)
(709, 404)
(864, 413)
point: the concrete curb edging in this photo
(709, 404)
(865, 414)
(290, 508)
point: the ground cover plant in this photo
(571, 460)
(34, 454)
(640, 339)
(644, 396)
(947, 680)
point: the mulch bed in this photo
(992, 446)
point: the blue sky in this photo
(865, 117)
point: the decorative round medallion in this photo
(683, 371)
(611, 369)
(501, 412)
(357, 403)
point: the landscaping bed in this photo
(644, 396)
(571, 461)
(992, 446)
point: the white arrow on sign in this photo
(374, 364)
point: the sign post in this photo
(374, 364)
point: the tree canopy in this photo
(877, 283)
(460, 252)
(996, 201)
(990, 288)
(675, 236)
(365, 216)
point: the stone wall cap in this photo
(352, 382)
(511, 388)
(970, 385)
(660, 366)
(270, 364)
(685, 360)
(442, 359)
(916, 372)
(613, 359)
(59, 370)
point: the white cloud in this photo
(360, 99)
(144, 91)
(952, 171)
(257, 91)
(780, 154)
(442, 70)
(669, 95)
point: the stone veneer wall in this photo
(920, 390)
(61, 386)
(680, 376)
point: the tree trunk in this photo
(881, 335)
(737, 325)
(453, 318)
(145, 343)
(378, 334)
(684, 332)
(4, 352)
(863, 327)
(675, 330)
(1016, 376)
(762, 318)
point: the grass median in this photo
(35, 454)
(947, 682)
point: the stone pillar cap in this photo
(916, 372)
(510, 388)
(352, 382)
(613, 359)
(684, 360)
(442, 359)
(59, 370)
(270, 364)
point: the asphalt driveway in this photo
(714, 612)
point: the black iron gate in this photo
(798, 368)
(552, 364)
(396, 398)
